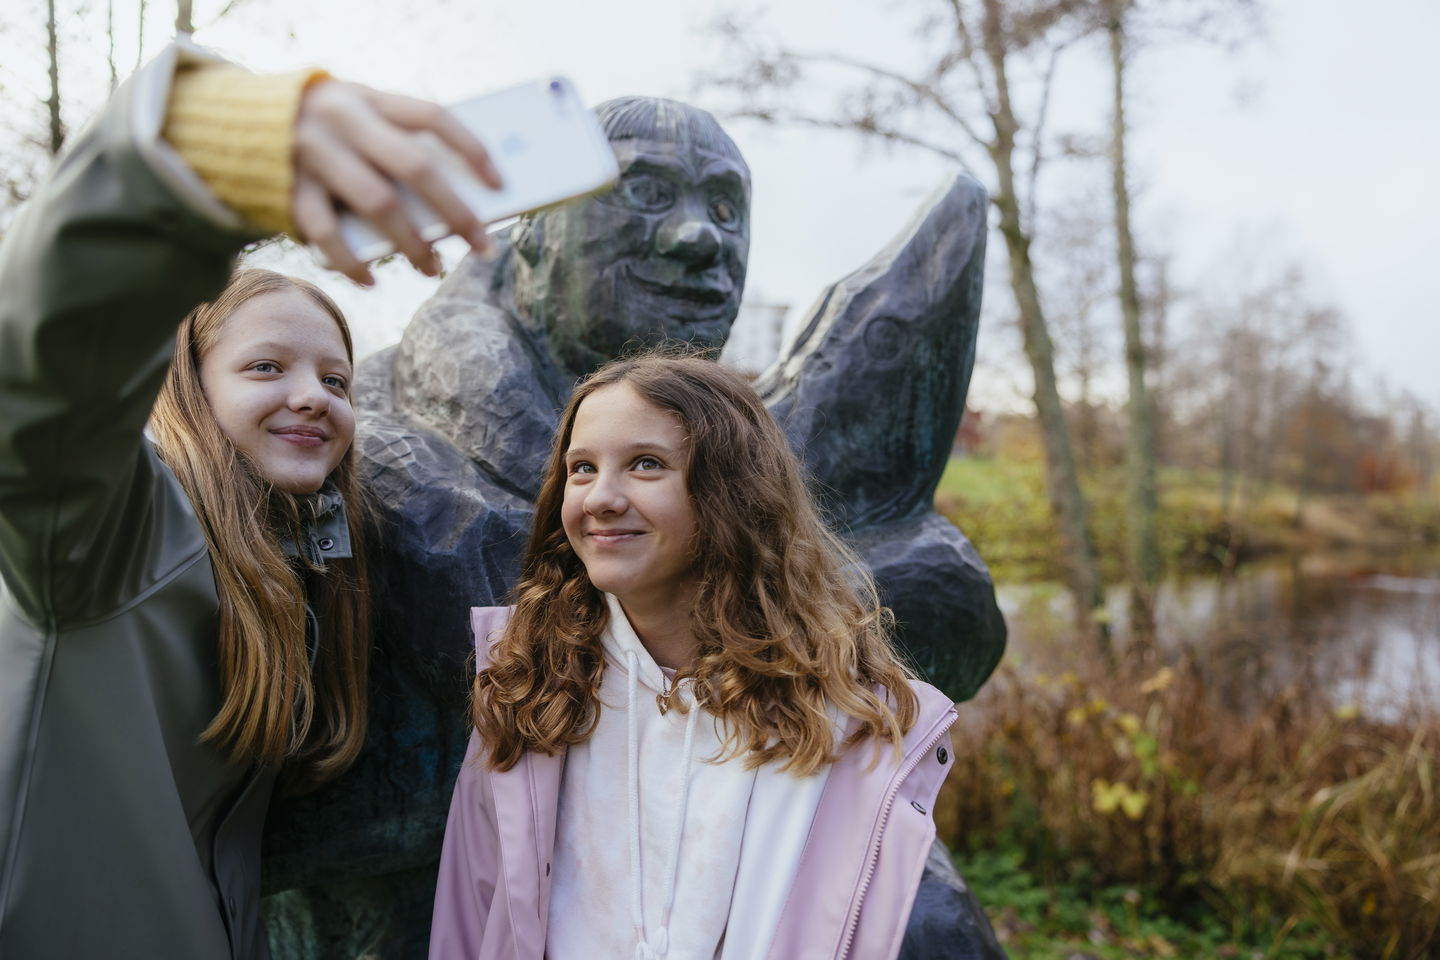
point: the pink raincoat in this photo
(853, 891)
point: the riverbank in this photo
(1001, 506)
(1258, 785)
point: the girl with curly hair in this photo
(693, 736)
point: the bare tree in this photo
(184, 18)
(967, 88)
(57, 127)
(1078, 277)
(1142, 503)
(140, 37)
(1267, 379)
(1211, 19)
(110, 44)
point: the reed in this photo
(1289, 810)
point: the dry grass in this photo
(1294, 808)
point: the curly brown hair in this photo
(787, 622)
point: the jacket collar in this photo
(324, 528)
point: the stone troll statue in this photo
(456, 424)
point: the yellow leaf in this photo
(1348, 712)
(1369, 906)
(1069, 677)
(1007, 787)
(1161, 681)
(1134, 803)
(1129, 723)
(1104, 798)
(1099, 705)
(1076, 716)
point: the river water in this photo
(1367, 628)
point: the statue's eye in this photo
(645, 191)
(724, 213)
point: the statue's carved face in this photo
(660, 257)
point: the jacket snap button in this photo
(942, 755)
(327, 543)
(917, 806)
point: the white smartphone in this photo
(547, 146)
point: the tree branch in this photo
(225, 11)
(1037, 150)
(868, 128)
(967, 52)
(922, 90)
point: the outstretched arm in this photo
(125, 237)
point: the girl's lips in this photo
(613, 536)
(301, 436)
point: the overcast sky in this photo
(1316, 142)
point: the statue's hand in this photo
(871, 391)
(353, 147)
(871, 394)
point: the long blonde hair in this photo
(787, 622)
(274, 707)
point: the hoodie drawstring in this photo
(644, 949)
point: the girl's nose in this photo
(605, 498)
(310, 396)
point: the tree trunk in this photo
(57, 129)
(110, 44)
(1142, 546)
(140, 38)
(184, 18)
(1157, 361)
(1062, 480)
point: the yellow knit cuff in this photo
(236, 129)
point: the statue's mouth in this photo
(703, 294)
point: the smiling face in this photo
(660, 257)
(627, 510)
(278, 380)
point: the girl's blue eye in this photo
(648, 463)
(337, 382)
(582, 467)
(264, 366)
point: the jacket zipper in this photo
(911, 763)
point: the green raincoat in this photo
(121, 835)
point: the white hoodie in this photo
(729, 869)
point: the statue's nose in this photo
(694, 242)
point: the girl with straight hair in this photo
(693, 736)
(183, 615)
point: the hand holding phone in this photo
(546, 146)
(353, 147)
